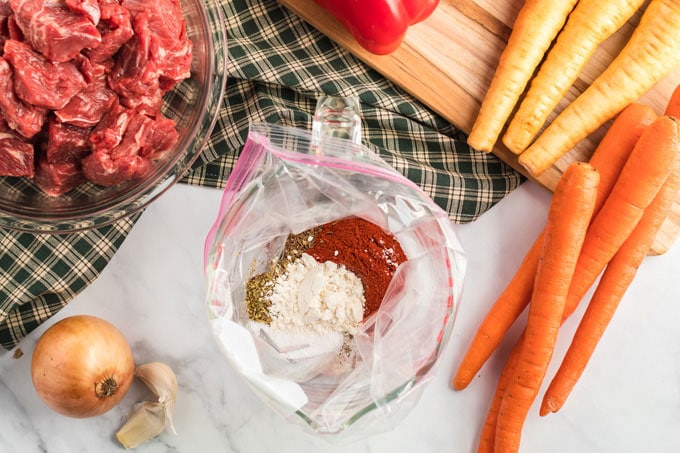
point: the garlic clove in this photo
(160, 378)
(162, 381)
(147, 422)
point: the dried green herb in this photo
(297, 244)
(258, 291)
(259, 288)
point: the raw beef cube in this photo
(66, 143)
(156, 58)
(115, 29)
(86, 108)
(108, 133)
(53, 29)
(135, 88)
(101, 169)
(133, 138)
(16, 155)
(130, 156)
(146, 136)
(87, 8)
(57, 179)
(165, 20)
(40, 82)
(169, 50)
(106, 166)
(93, 70)
(160, 135)
(27, 120)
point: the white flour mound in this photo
(313, 306)
(314, 296)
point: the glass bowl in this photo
(194, 105)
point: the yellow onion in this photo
(82, 366)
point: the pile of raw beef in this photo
(81, 87)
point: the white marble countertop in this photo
(627, 401)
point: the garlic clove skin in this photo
(162, 381)
(160, 378)
(145, 423)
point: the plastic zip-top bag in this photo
(292, 323)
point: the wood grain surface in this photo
(448, 60)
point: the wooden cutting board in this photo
(448, 60)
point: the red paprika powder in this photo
(364, 248)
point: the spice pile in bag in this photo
(329, 279)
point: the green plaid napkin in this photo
(278, 66)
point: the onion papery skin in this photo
(82, 366)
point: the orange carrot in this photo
(568, 219)
(588, 25)
(535, 27)
(613, 284)
(500, 317)
(649, 165)
(613, 151)
(643, 146)
(673, 106)
(652, 52)
(608, 158)
(487, 437)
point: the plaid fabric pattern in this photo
(278, 66)
(41, 273)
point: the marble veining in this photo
(153, 290)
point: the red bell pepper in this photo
(379, 25)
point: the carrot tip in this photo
(459, 384)
(548, 406)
